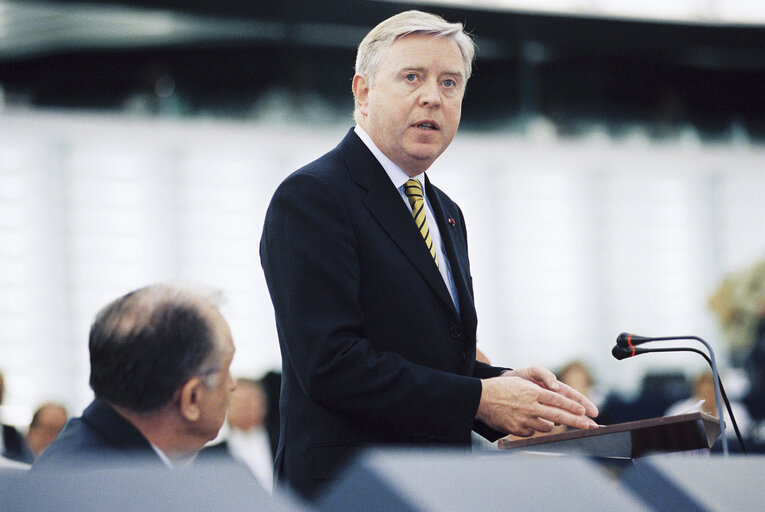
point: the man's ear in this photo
(191, 394)
(361, 93)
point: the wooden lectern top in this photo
(684, 432)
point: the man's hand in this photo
(528, 400)
(546, 379)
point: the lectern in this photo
(682, 433)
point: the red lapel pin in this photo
(451, 221)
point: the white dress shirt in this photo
(399, 178)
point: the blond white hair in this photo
(408, 23)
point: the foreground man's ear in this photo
(190, 399)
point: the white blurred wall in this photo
(572, 241)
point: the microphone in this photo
(623, 353)
(627, 340)
(626, 344)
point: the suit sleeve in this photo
(309, 255)
(485, 371)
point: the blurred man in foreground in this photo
(159, 368)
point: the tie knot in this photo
(413, 190)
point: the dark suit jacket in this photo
(99, 437)
(373, 349)
(14, 445)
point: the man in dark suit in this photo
(369, 275)
(159, 368)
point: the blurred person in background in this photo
(577, 374)
(47, 422)
(367, 266)
(248, 439)
(271, 383)
(481, 357)
(739, 303)
(159, 369)
(12, 444)
(704, 389)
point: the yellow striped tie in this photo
(413, 191)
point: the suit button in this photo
(455, 331)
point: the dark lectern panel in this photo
(710, 483)
(203, 487)
(436, 480)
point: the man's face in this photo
(411, 107)
(218, 394)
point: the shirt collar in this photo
(178, 463)
(394, 172)
(162, 456)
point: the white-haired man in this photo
(367, 265)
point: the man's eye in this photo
(411, 77)
(449, 82)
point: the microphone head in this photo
(621, 352)
(627, 340)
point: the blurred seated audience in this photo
(658, 390)
(739, 303)
(159, 369)
(48, 420)
(10, 464)
(578, 375)
(12, 444)
(704, 389)
(272, 383)
(755, 399)
(248, 439)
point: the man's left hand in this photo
(546, 379)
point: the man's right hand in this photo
(521, 407)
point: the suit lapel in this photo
(385, 204)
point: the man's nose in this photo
(430, 94)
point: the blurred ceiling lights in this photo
(29, 28)
(33, 27)
(744, 12)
